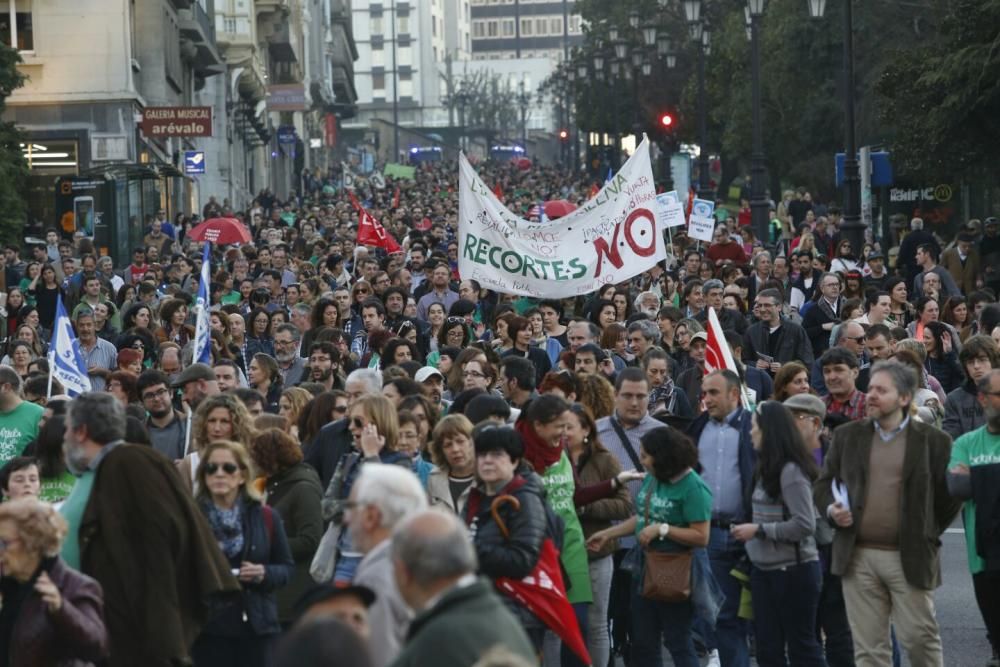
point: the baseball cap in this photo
(192, 373)
(699, 335)
(426, 373)
(323, 592)
(807, 403)
(876, 255)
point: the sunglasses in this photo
(228, 468)
(357, 423)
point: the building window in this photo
(526, 28)
(508, 27)
(492, 29)
(376, 25)
(478, 29)
(403, 24)
(406, 76)
(556, 26)
(378, 81)
(16, 24)
(541, 27)
(574, 24)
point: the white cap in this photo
(426, 372)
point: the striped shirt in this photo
(102, 355)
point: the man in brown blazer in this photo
(962, 262)
(884, 489)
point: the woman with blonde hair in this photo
(52, 614)
(290, 406)
(252, 537)
(374, 427)
(219, 417)
(454, 456)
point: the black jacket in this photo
(327, 448)
(793, 343)
(813, 322)
(730, 319)
(514, 557)
(538, 358)
(258, 602)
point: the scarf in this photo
(541, 455)
(227, 527)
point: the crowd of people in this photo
(379, 449)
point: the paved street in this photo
(962, 627)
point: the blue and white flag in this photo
(202, 335)
(65, 359)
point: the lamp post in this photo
(524, 100)
(758, 202)
(704, 188)
(852, 227)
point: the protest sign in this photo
(609, 239)
(671, 209)
(702, 222)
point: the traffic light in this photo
(563, 135)
(666, 121)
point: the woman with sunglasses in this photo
(252, 537)
(293, 490)
(374, 428)
(786, 577)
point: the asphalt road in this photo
(962, 631)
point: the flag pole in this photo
(187, 434)
(52, 367)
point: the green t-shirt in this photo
(680, 504)
(559, 488)
(17, 428)
(975, 448)
(72, 510)
(57, 489)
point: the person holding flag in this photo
(202, 333)
(371, 232)
(66, 360)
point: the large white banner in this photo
(608, 240)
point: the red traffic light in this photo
(666, 120)
(564, 135)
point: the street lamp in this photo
(633, 19)
(692, 10)
(758, 201)
(649, 35)
(613, 34)
(662, 44)
(852, 226)
(621, 50)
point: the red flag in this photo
(594, 190)
(395, 198)
(370, 231)
(718, 355)
(498, 191)
(542, 592)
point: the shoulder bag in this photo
(667, 575)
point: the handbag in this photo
(667, 574)
(324, 563)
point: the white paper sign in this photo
(608, 240)
(671, 209)
(702, 223)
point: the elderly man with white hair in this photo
(648, 303)
(382, 497)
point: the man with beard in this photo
(324, 364)
(394, 299)
(973, 476)
(134, 528)
(440, 291)
(286, 353)
(433, 383)
(196, 382)
(167, 427)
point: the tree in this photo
(13, 167)
(490, 104)
(943, 100)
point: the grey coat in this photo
(962, 411)
(389, 617)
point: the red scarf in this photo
(540, 454)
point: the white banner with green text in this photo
(609, 239)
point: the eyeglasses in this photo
(228, 468)
(473, 374)
(5, 544)
(339, 409)
(455, 320)
(858, 339)
(150, 395)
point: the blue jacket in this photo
(742, 421)
(257, 601)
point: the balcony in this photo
(283, 44)
(235, 34)
(251, 84)
(198, 41)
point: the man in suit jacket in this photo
(888, 519)
(774, 337)
(962, 262)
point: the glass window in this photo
(508, 27)
(526, 28)
(51, 157)
(376, 25)
(492, 29)
(378, 81)
(16, 24)
(556, 26)
(403, 24)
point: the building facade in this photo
(96, 69)
(524, 29)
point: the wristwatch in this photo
(664, 530)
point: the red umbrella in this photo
(221, 230)
(557, 208)
(522, 163)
